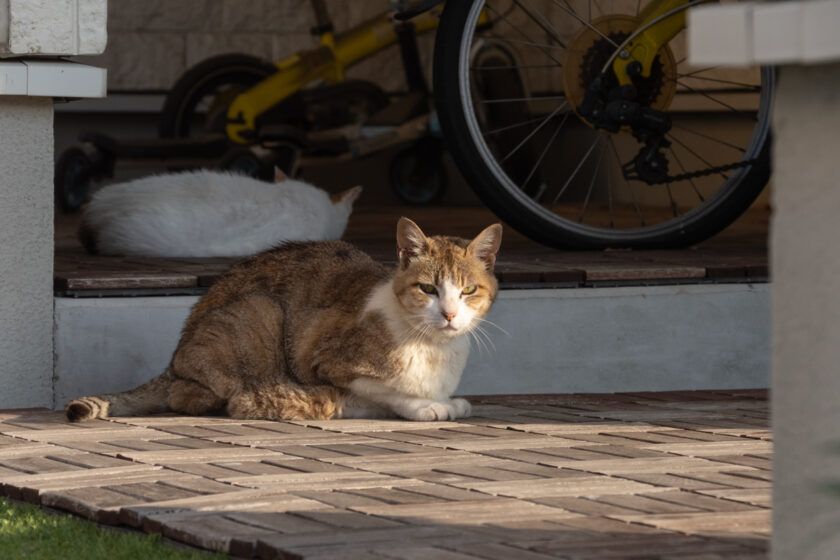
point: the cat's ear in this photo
(279, 175)
(410, 240)
(347, 198)
(486, 245)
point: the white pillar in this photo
(805, 262)
(26, 251)
(30, 29)
(805, 253)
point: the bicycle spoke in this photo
(695, 154)
(542, 48)
(577, 169)
(673, 202)
(626, 182)
(695, 72)
(586, 23)
(545, 25)
(712, 138)
(714, 99)
(539, 194)
(512, 99)
(591, 183)
(690, 180)
(748, 87)
(708, 96)
(510, 127)
(516, 67)
(533, 132)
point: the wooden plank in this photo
(615, 273)
(123, 280)
(96, 504)
(214, 532)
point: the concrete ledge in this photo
(41, 78)
(554, 341)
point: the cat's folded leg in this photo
(406, 406)
(286, 401)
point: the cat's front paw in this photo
(462, 407)
(431, 411)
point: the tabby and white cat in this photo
(319, 330)
(210, 214)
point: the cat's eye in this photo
(428, 289)
(469, 290)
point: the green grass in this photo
(28, 532)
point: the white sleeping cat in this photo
(210, 214)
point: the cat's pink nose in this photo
(447, 316)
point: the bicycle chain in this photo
(705, 172)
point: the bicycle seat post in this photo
(409, 52)
(323, 23)
(325, 32)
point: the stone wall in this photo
(151, 43)
(57, 27)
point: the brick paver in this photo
(654, 475)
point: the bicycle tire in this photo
(74, 175)
(204, 78)
(483, 171)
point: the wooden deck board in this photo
(739, 254)
(659, 475)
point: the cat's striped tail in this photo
(149, 398)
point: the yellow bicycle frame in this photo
(340, 51)
(327, 62)
(644, 47)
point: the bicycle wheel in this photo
(568, 180)
(199, 99)
(75, 173)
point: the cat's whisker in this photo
(480, 344)
(480, 331)
(492, 324)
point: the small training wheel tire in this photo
(415, 179)
(74, 174)
(246, 162)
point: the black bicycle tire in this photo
(72, 190)
(209, 73)
(710, 218)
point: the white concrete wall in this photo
(606, 340)
(26, 251)
(805, 260)
(557, 341)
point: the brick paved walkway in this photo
(682, 475)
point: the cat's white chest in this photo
(430, 371)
